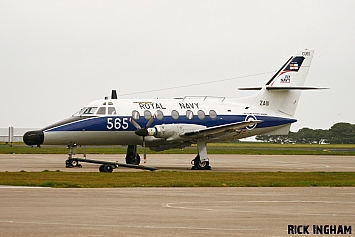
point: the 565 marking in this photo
(117, 123)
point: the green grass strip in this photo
(213, 148)
(177, 179)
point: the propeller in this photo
(143, 132)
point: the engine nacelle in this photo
(172, 130)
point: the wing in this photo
(219, 130)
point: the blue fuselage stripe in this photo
(121, 123)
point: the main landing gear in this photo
(132, 157)
(200, 165)
(201, 161)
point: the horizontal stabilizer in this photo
(284, 88)
(294, 88)
(250, 89)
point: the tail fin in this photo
(281, 93)
(293, 73)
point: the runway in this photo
(181, 162)
(171, 211)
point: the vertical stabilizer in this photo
(294, 72)
(282, 92)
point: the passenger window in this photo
(160, 115)
(189, 114)
(175, 114)
(147, 114)
(90, 110)
(135, 114)
(201, 114)
(102, 110)
(213, 114)
(111, 110)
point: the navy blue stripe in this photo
(104, 123)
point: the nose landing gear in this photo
(70, 163)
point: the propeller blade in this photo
(151, 120)
(144, 151)
(143, 132)
(134, 123)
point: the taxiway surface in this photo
(181, 162)
(171, 211)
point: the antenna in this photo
(114, 95)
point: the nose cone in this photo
(32, 138)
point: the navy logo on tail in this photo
(294, 65)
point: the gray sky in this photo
(57, 56)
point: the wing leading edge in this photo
(216, 130)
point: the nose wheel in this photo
(72, 163)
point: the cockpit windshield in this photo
(80, 112)
(96, 110)
(90, 110)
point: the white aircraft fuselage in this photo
(162, 124)
(180, 115)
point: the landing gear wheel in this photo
(108, 168)
(198, 165)
(67, 164)
(72, 163)
(101, 168)
(133, 159)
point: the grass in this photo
(254, 148)
(57, 179)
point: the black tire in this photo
(201, 165)
(101, 168)
(74, 163)
(67, 164)
(108, 168)
(133, 159)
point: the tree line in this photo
(339, 133)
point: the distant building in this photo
(12, 134)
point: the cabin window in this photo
(160, 115)
(189, 114)
(175, 114)
(213, 114)
(147, 114)
(110, 103)
(201, 114)
(90, 110)
(101, 110)
(111, 110)
(135, 114)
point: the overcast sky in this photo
(57, 56)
